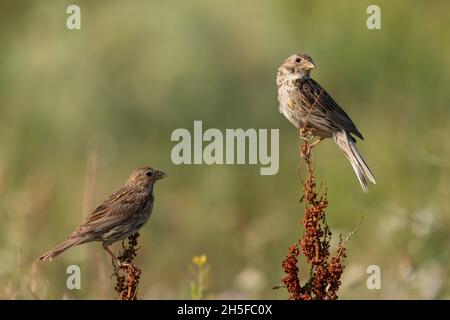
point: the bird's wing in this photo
(325, 106)
(120, 207)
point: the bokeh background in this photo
(80, 109)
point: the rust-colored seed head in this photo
(325, 273)
(127, 283)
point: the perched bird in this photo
(307, 105)
(119, 217)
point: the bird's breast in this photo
(289, 106)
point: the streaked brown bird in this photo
(307, 105)
(119, 217)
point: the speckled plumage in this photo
(117, 218)
(306, 104)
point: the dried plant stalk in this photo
(127, 274)
(325, 273)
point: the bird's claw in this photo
(306, 134)
(120, 266)
(125, 265)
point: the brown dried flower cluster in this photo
(325, 273)
(127, 274)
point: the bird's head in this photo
(145, 177)
(295, 67)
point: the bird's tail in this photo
(55, 252)
(348, 146)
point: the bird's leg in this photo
(120, 264)
(306, 150)
(114, 260)
(113, 256)
(306, 135)
(315, 143)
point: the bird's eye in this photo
(298, 60)
(149, 174)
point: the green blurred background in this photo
(80, 109)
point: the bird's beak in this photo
(309, 65)
(160, 175)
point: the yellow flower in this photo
(199, 260)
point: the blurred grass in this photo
(136, 71)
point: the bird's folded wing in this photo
(325, 106)
(117, 210)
